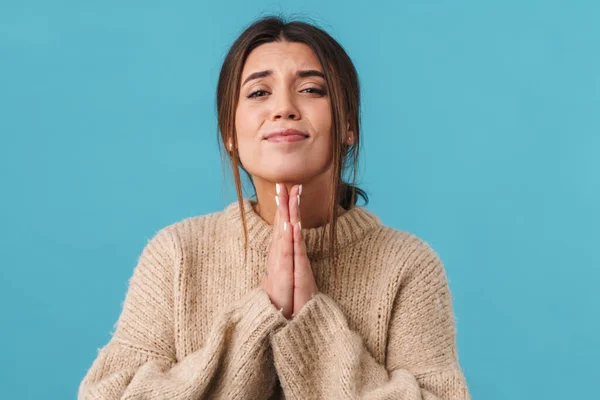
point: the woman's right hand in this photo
(279, 276)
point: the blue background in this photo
(481, 133)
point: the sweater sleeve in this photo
(317, 356)
(139, 361)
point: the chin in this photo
(286, 174)
(287, 169)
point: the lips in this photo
(285, 135)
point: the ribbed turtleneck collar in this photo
(352, 226)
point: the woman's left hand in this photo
(304, 280)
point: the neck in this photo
(314, 201)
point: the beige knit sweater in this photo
(196, 324)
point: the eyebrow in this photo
(301, 74)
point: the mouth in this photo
(286, 135)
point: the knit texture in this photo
(196, 324)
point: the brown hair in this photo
(342, 86)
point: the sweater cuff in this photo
(255, 308)
(307, 336)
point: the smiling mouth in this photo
(286, 138)
(286, 135)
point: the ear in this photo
(350, 138)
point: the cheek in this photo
(322, 119)
(241, 118)
(247, 119)
(247, 124)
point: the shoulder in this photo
(400, 244)
(196, 224)
(190, 231)
(404, 255)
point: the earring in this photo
(230, 146)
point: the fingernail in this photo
(300, 190)
(298, 199)
(284, 226)
(299, 225)
(277, 188)
(277, 200)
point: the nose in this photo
(284, 107)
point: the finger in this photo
(286, 236)
(274, 239)
(299, 214)
(294, 205)
(301, 263)
(284, 204)
(282, 208)
(276, 219)
(304, 280)
(277, 228)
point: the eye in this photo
(257, 93)
(315, 90)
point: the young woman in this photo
(298, 293)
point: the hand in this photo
(289, 280)
(279, 276)
(304, 280)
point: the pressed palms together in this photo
(288, 280)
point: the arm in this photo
(139, 361)
(318, 356)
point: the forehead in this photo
(278, 56)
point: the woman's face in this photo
(283, 87)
